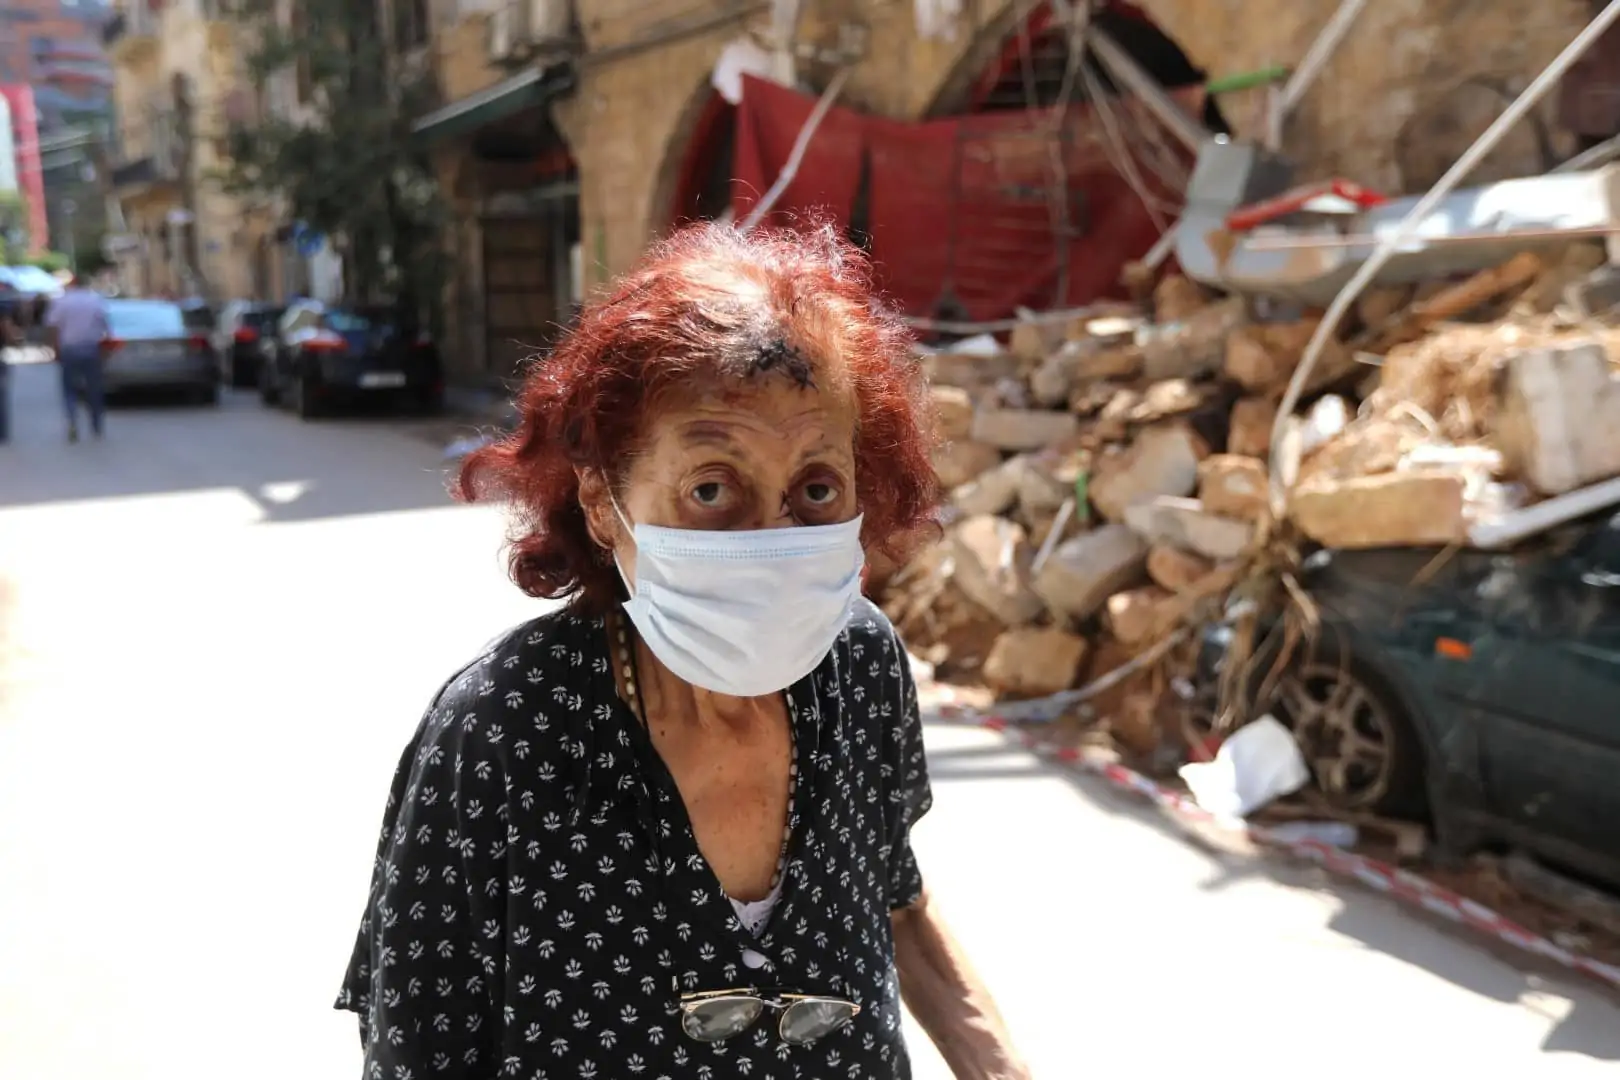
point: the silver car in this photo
(149, 346)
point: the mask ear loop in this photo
(631, 531)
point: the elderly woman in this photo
(664, 831)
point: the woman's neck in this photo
(671, 703)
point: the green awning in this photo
(525, 90)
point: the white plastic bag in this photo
(1257, 763)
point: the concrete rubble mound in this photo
(1111, 478)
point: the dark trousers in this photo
(81, 383)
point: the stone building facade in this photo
(625, 89)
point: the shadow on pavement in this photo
(361, 463)
(1588, 1029)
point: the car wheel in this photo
(267, 385)
(242, 375)
(1362, 749)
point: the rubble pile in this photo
(1109, 476)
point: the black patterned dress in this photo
(539, 901)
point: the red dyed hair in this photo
(708, 301)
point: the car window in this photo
(347, 322)
(145, 320)
(262, 318)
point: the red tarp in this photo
(961, 207)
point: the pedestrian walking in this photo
(75, 325)
(666, 830)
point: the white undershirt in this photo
(756, 914)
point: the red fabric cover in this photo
(959, 207)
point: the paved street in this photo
(192, 605)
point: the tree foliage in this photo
(351, 170)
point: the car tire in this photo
(304, 403)
(268, 394)
(1362, 748)
(242, 376)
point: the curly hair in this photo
(709, 300)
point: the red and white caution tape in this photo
(943, 703)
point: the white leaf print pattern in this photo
(527, 771)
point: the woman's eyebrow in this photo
(707, 434)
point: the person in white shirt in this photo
(75, 326)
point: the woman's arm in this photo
(940, 988)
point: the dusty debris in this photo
(1034, 661)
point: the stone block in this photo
(1250, 431)
(1176, 298)
(1233, 486)
(1023, 429)
(1557, 421)
(953, 407)
(1034, 662)
(1082, 573)
(1132, 616)
(1162, 461)
(1395, 509)
(992, 492)
(1172, 569)
(1184, 523)
(962, 461)
(1193, 346)
(991, 560)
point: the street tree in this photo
(348, 167)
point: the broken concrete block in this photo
(1162, 461)
(1023, 429)
(1596, 294)
(1034, 662)
(1132, 616)
(1184, 523)
(1250, 430)
(1082, 573)
(1233, 486)
(1045, 481)
(1173, 569)
(968, 369)
(964, 460)
(1262, 357)
(1031, 341)
(992, 492)
(1109, 362)
(1557, 420)
(1176, 299)
(1194, 346)
(1136, 724)
(1394, 509)
(991, 559)
(954, 408)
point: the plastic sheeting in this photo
(963, 213)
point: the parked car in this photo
(327, 355)
(243, 331)
(1471, 688)
(149, 346)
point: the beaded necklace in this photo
(628, 668)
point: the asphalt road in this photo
(217, 630)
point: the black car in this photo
(329, 355)
(1475, 689)
(242, 335)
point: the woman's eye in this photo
(709, 494)
(819, 494)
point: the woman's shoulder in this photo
(869, 628)
(515, 681)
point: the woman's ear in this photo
(596, 502)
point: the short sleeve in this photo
(906, 766)
(424, 975)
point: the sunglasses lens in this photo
(807, 1021)
(718, 1019)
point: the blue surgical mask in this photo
(745, 613)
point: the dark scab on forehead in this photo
(779, 354)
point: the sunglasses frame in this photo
(780, 1000)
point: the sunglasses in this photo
(716, 1015)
